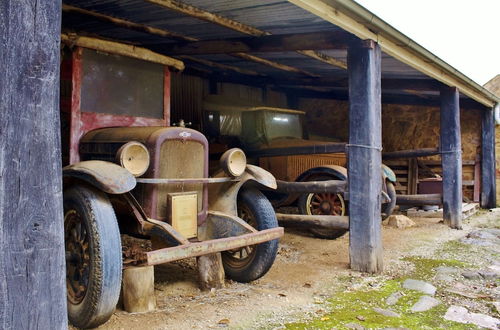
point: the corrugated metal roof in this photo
(272, 16)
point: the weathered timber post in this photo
(32, 273)
(488, 185)
(451, 157)
(365, 159)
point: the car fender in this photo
(223, 197)
(336, 171)
(106, 176)
(388, 174)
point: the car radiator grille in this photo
(180, 159)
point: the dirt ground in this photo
(307, 272)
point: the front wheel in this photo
(93, 256)
(252, 262)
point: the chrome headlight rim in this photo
(134, 157)
(234, 162)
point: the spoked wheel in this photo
(252, 262)
(323, 204)
(388, 208)
(93, 256)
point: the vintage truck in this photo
(276, 139)
(128, 173)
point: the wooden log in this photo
(32, 272)
(313, 221)
(451, 157)
(210, 271)
(419, 200)
(118, 48)
(329, 186)
(138, 285)
(411, 153)
(365, 159)
(488, 182)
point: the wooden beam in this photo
(488, 184)
(424, 152)
(451, 157)
(365, 159)
(118, 48)
(32, 257)
(273, 64)
(267, 43)
(324, 58)
(353, 18)
(221, 66)
(230, 24)
(126, 24)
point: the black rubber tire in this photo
(388, 208)
(317, 232)
(262, 256)
(95, 211)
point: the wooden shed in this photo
(357, 78)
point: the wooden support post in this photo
(365, 159)
(211, 271)
(32, 272)
(488, 184)
(451, 157)
(138, 287)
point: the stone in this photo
(443, 278)
(474, 241)
(393, 298)
(424, 304)
(446, 270)
(462, 315)
(482, 234)
(400, 221)
(421, 286)
(471, 275)
(386, 312)
(354, 326)
(488, 275)
(497, 306)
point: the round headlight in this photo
(133, 156)
(234, 162)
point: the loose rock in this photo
(443, 278)
(400, 221)
(354, 326)
(393, 298)
(446, 270)
(424, 304)
(421, 286)
(471, 275)
(488, 275)
(462, 315)
(386, 312)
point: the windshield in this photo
(282, 125)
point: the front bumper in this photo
(211, 246)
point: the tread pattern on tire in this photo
(265, 252)
(106, 257)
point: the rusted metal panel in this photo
(202, 248)
(289, 168)
(106, 176)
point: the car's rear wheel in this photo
(252, 262)
(323, 204)
(93, 256)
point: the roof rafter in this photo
(236, 26)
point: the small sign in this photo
(183, 215)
